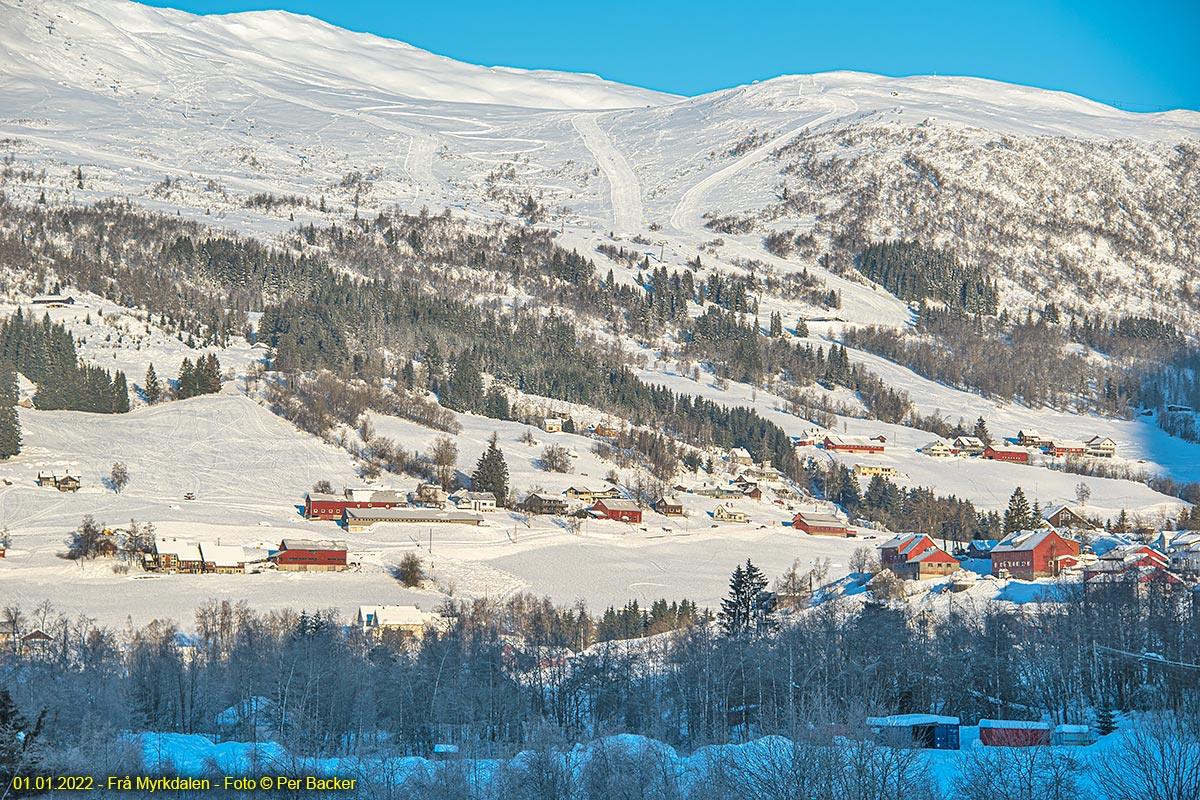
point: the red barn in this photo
(332, 506)
(1034, 554)
(853, 444)
(1013, 733)
(1017, 455)
(307, 555)
(619, 510)
(821, 525)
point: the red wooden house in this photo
(1060, 448)
(1017, 455)
(307, 555)
(1034, 554)
(619, 510)
(853, 444)
(821, 525)
(915, 556)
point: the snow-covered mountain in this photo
(1054, 192)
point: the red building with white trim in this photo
(853, 444)
(1027, 555)
(308, 555)
(821, 525)
(618, 510)
(1017, 455)
(332, 506)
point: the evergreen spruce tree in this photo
(491, 472)
(19, 741)
(120, 394)
(1019, 516)
(464, 390)
(10, 421)
(801, 328)
(1106, 718)
(187, 380)
(568, 425)
(152, 386)
(981, 432)
(745, 608)
(495, 403)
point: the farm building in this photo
(223, 559)
(552, 425)
(1031, 438)
(318, 505)
(605, 431)
(429, 495)
(727, 514)
(591, 495)
(1101, 447)
(1013, 733)
(1017, 455)
(541, 503)
(853, 444)
(1061, 448)
(53, 301)
(1066, 517)
(809, 438)
(618, 510)
(407, 621)
(668, 507)
(821, 525)
(176, 555)
(916, 557)
(1034, 554)
(1072, 736)
(474, 501)
(309, 555)
(1134, 583)
(740, 456)
(939, 449)
(361, 519)
(981, 548)
(969, 445)
(927, 731)
(871, 470)
(762, 472)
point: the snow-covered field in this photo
(249, 471)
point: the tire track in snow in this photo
(625, 192)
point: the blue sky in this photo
(1135, 55)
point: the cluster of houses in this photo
(183, 557)
(63, 483)
(558, 424)
(937, 732)
(1026, 441)
(358, 508)
(195, 558)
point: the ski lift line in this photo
(1152, 658)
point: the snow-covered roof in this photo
(619, 505)
(1021, 541)
(909, 720)
(182, 550)
(312, 544)
(1068, 444)
(397, 615)
(814, 518)
(223, 555)
(1014, 724)
(408, 515)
